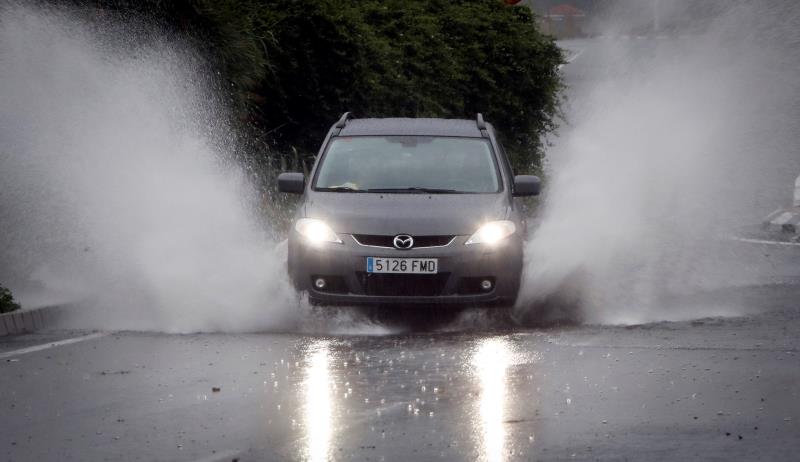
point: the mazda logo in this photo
(403, 242)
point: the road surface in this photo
(720, 388)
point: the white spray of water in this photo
(116, 192)
(672, 142)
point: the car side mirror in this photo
(291, 182)
(527, 185)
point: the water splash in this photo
(118, 189)
(674, 140)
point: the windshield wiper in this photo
(340, 189)
(414, 189)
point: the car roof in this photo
(408, 126)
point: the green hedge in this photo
(295, 65)
(7, 303)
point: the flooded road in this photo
(711, 389)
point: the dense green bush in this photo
(295, 65)
(7, 303)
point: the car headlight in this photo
(493, 232)
(316, 231)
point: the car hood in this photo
(415, 214)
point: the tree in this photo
(294, 66)
(7, 303)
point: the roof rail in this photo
(481, 122)
(343, 120)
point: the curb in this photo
(28, 321)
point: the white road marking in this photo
(222, 455)
(69, 341)
(763, 241)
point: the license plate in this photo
(402, 265)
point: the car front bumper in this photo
(461, 268)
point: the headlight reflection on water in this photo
(489, 363)
(318, 397)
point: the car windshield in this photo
(425, 164)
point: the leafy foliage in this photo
(295, 65)
(7, 303)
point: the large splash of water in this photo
(674, 140)
(118, 190)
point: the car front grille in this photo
(420, 242)
(403, 285)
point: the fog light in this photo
(320, 283)
(486, 284)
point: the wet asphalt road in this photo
(708, 389)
